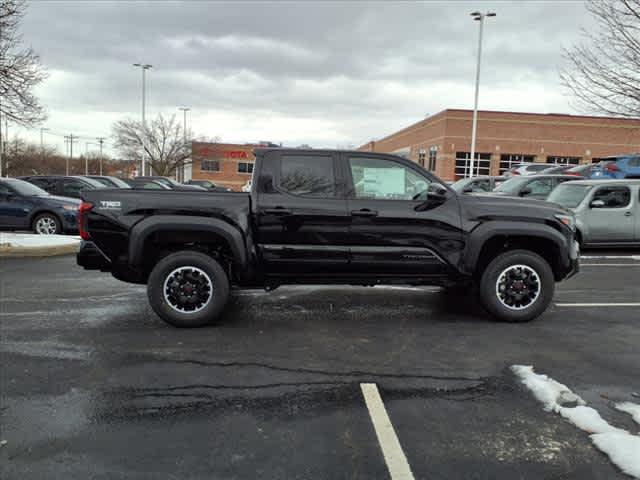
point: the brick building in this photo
(226, 164)
(442, 142)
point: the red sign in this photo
(235, 154)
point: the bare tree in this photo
(20, 69)
(603, 71)
(163, 142)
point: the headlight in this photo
(70, 208)
(568, 220)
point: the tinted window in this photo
(540, 187)
(73, 187)
(512, 186)
(307, 175)
(613, 197)
(4, 190)
(44, 183)
(569, 195)
(385, 179)
(26, 188)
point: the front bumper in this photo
(90, 257)
(574, 259)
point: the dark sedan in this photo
(24, 206)
(109, 182)
(532, 186)
(68, 186)
(481, 184)
(172, 184)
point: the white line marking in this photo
(610, 257)
(636, 304)
(393, 455)
(610, 264)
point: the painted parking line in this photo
(610, 265)
(610, 257)
(391, 450)
(588, 305)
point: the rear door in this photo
(302, 220)
(13, 208)
(614, 222)
(388, 235)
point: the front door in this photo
(13, 208)
(611, 215)
(393, 231)
(302, 217)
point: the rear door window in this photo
(73, 187)
(613, 197)
(47, 184)
(308, 175)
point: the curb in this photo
(7, 251)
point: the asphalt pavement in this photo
(94, 385)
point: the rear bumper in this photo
(90, 257)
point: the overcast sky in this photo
(323, 73)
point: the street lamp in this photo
(144, 67)
(479, 17)
(184, 133)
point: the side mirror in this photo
(597, 204)
(436, 195)
(525, 191)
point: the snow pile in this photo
(622, 447)
(29, 240)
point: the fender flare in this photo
(484, 232)
(141, 231)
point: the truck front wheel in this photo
(188, 289)
(517, 286)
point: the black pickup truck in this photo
(328, 217)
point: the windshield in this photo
(513, 185)
(569, 194)
(25, 188)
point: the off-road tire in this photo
(190, 264)
(490, 296)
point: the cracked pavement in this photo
(94, 385)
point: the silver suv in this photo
(607, 211)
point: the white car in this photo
(526, 169)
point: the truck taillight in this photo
(82, 220)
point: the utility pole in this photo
(42, 130)
(184, 134)
(144, 67)
(479, 17)
(71, 138)
(100, 142)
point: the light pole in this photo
(144, 67)
(184, 133)
(42, 130)
(479, 17)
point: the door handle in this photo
(627, 214)
(364, 212)
(277, 211)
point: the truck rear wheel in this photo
(188, 289)
(517, 286)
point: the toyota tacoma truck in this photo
(328, 217)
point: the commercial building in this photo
(225, 164)
(442, 142)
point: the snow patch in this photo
(550, 393)
(32, 240)
(622, 448)
(632, 409)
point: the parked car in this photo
(328, 217)
(169, 182)
(536, 186)
(583, 171)
(607, 211)
(66, 186)
(208, 185)
(110, 182)
(556, 170)
(623, 166)
(144, 184)
(526, 169)
(23, 206)
(480, 184)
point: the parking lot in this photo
(94, 385)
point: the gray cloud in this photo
(305, 72)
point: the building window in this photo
(245, 167)
(433, 152)
(209, 165)
(482, 164)
(564, 160)
(422, 154)
(508, 160)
